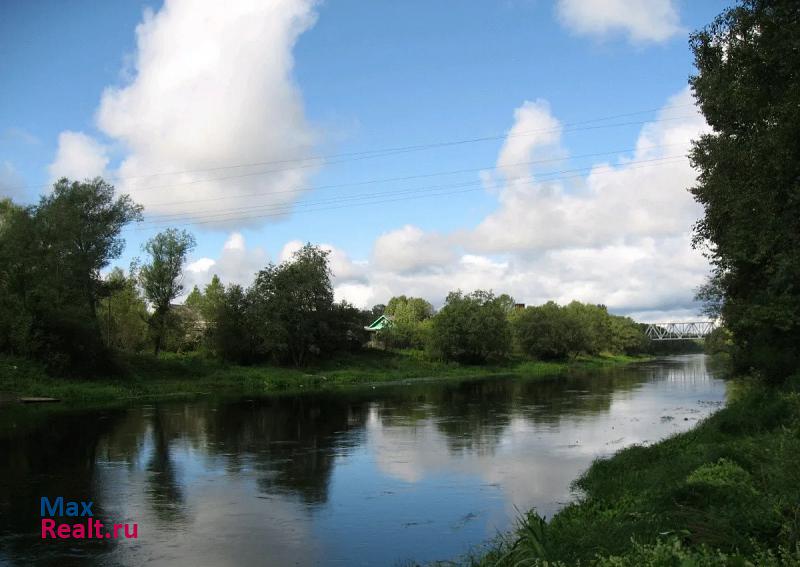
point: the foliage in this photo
(551, 331)
(201, 314)
(51, 256)
(471, 328)
(207, 301)
(724, 493)
(748, 87)
(288, 315)
(293, 302)
(718, 341)
(190, 374)
(232, 332)
(123, 313)
(408, 328)
(162, 278)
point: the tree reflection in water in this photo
(197, 470)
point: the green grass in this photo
(724, 493)
(144, 376)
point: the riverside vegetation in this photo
(726, 492)
(66, 331)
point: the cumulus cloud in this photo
(211, 85)
(78, 157)
(641, 20)
(410, 249)
(620, 236)
(236, 263)
(641, 196)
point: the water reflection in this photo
(421, 470)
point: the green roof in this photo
(380, 323)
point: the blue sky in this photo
(210, 85)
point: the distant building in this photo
(380, 323)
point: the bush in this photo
(471, 328)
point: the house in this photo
(380, 323)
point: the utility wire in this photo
(250, 207)
(382, 152)
(403, 178)
(279, 212)
(398, 151)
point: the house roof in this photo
(379, 323)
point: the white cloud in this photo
(641, 20)
(78, 157)
(620, 236)
(643, 195)
(211, 85)
(410, 249)
(236, 263)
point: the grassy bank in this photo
(192, 375)
(724, 493)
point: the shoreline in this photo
(192, 376)
(722, 493)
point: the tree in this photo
(407, 315)
(195, 299)
(213, 295)
(123, 313)
(550, 331)
(17, 276)
(292, 303)
(748, 87)
(162, 278)
(234, 332)
(471, 328)
(52, 256)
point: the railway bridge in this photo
(679, 331)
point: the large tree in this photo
(293, 302)
(123, 313)
(51, 258)
(748, 87)
(410, 326)
(471, 327)
(162, 277)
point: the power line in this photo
(250, 207)
(383, 152)
(398, 151)
(281, 211)
(403, 178)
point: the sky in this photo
(529, 147)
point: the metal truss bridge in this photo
(679, 331)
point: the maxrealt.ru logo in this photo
(75, 527)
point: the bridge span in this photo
(679, 331)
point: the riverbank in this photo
(724, 493)
(176, 376)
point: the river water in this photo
(374, 476)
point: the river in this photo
(370, 476)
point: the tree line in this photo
(56, 306)
(480, 326)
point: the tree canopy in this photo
(162, 277)
(748, 87)
(51, 257)
(471, 327)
